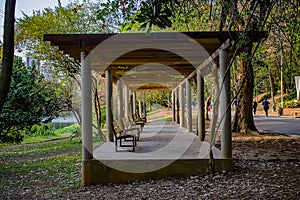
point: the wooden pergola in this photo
(151, 62)
(138, 51)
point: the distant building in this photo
(45, 69)
(32, 61)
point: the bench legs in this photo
(134, 143)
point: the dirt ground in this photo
(265, 167)
(266, 147)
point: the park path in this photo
(278, 124)
(272, 124)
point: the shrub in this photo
(68, 129)
(40, 130)
(291, 104)
(290, 96)
(11, 136)
(30, 101)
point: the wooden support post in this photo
(177, 105)
(226, 138)
(120, 100)
(109, 117)
(126, 102)
(173, 106)
(86, 98)
(140, 108)
(133, 103)
(144, 105)
(188, 107)
(182, 105)
(200, 110)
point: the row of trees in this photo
(279, 18)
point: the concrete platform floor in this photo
(160, 141)
(164, 150)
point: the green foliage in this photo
(68, 129)
(35, 139)
(164, 119)
(30, 101)
(11, 136)
(155, 13)
(289, 101)
(291, 104)
(280, 51)
(73, 130)
(114, 14)
(197, 16)
(39, 130)
(290, 96)
(162, 98)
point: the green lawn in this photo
(163, 119)
(34, 139)
(42, 166)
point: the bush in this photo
(12, 136)
(30, 101)
(291, 104)
(290, 96)
(40, 130)
(68, 129)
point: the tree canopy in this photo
(279, 18)
(31, 100)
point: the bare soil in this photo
(265, 167)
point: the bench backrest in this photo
(116, 128)
(126, 123)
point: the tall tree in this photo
(31, 100)
(76, 18)
(245, 16)
(224, 15)
(8, 50)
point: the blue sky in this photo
(27, 6)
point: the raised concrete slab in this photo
(164, 150)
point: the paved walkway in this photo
(162, 146)
(278, 124)
(164, 140)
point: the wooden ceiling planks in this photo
(74, 44)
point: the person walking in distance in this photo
(254, 107)
(266, 106)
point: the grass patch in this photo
(30, 139)
(40, 167)
(163, 119)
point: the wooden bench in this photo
(296, 114)
(138, 117)
(131, 125)
(141, 123)
(124, 135)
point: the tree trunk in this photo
(8, 50)
(272, 85)
(243, 119)
(207, 106)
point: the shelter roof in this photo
(124, 52)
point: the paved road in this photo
(276, 124)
